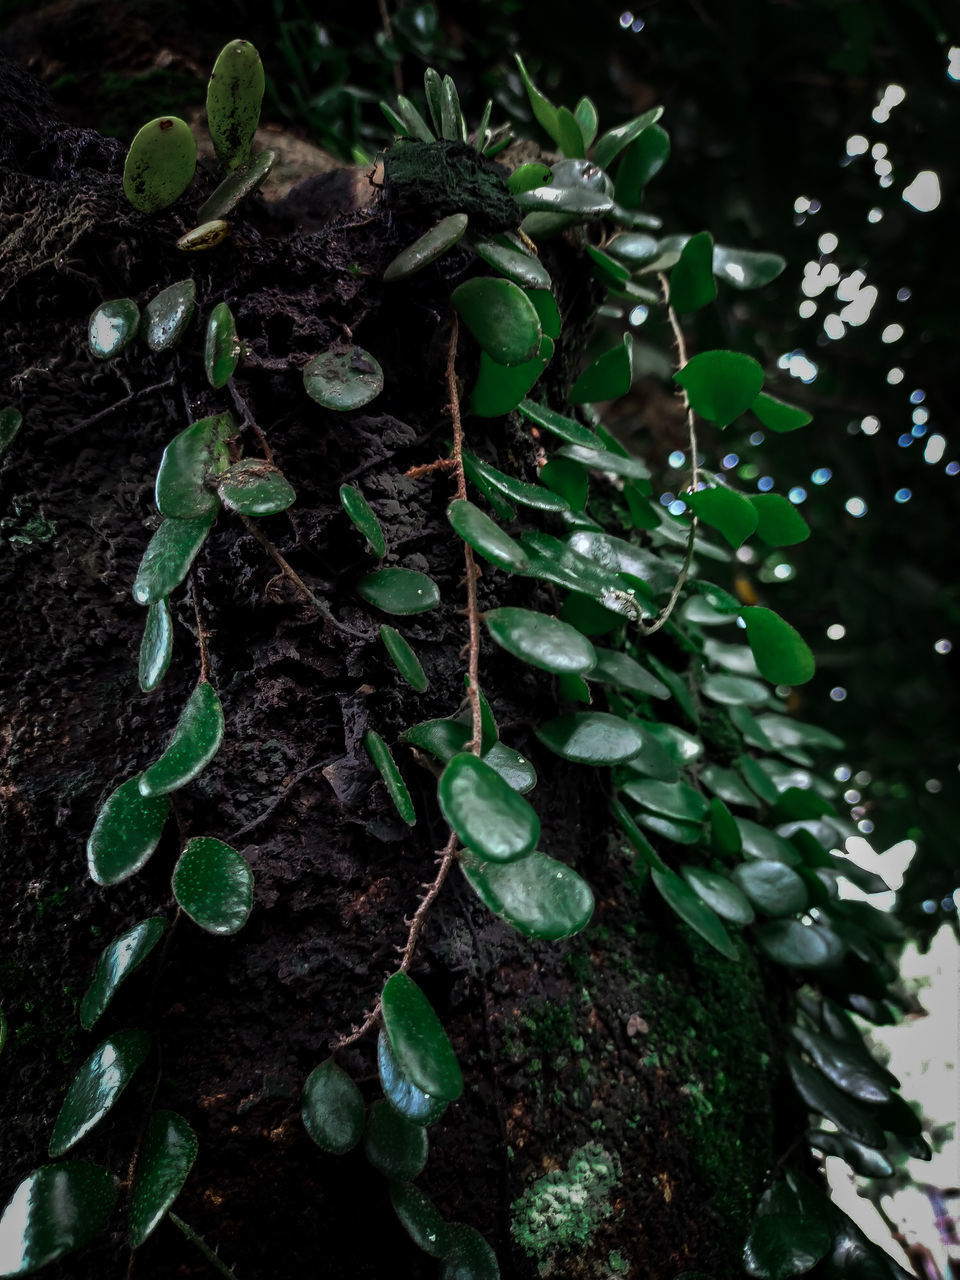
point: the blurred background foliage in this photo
(797, 126)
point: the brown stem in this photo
(202, 634)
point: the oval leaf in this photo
(541, 640)
(820, 1095)
(407, 662)
(166, 316)
(168, 557)
(800, 946)
(255, 488)
(485, 536)
(779, 523)
(387, 767)
(726, 510)
(420, 1219)
(112, 326)
(499, 389)
(221, 350)
(608, 378)
(126, 832)
(781, 653)
(188, 461)
(515, 262)
(733, 691)
(624, 672)
(486, 813)
(53, 1211)
(237, 187)
(362, 516)
(333, 1111)
(343, 377)
(395, 1146)
(538, 896)
(692, 285)
(673, 799)
(213, 885)
(719, 893)
(591, 737)
(501, 317)
(156, 647)
(747, 268)
(694, 911)
(412, 1103)
(720, 385)
(117, 961)
(234, 97)
(205, 236)
(195, 741)
(97, 1086)
(400, 591)
(468, 1255)
(431, 245)
(166, 1157)
(419, 1043)
(160, 164)
(772, 888)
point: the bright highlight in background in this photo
(924, 191)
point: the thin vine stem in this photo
(202, 633)
(213, 1258)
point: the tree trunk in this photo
(622, 1102)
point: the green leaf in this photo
(237, 186)
(221, 349)
(116, 962)
(213, 885)
(234, 96)
(733, 657)
(636, 836)
(673, 799)
(399, 591)
(746, 268)
(515, 769)
(343, 377)
(725, 837)
(520, 491)
(439, 240)
(514, 261)
(468, 1255)
(682, 747)
(642, 160)
(615, 140)
(255, 487)
(694, 911)
(726, 510)
(570, 139)
(849, 1066)
(156, 647)
(195, 741)
(395, 1146)
(160, 164)
(569, 479)
(545, 305)
(619, 669)
(760, 843)
(572, 203)
(541, 640)
(719, 893)
(420, 1219)
(406, 661)
(168, 557)
(608, 378)
(452, 125)
(501, 317)
(404, 1096)
(800, 946)
(126, 832)
(784, 731)
(586, 116)
(733, 690)
(538, 896)
(779, 523)
(11, 420)
(396, 787)
(189, 460)
(362, 516)
(414, 124)
(166, 316)
(777, 415)
(692, 285)
(166, 1158)
(566, 428)
(670, 828)
(486, 536)
(782, 654)
(591, 737)
(487, 815)
(820, 1095)
(433, 92)
(636, 248)
(545, 113)
(758, 780)
(97, 1086)
(608, 270)
(861, 1159)
(112, 326)
(605, 460)
(333, 1112)
(527, 176)
(729, 786)
(772, 887)
(423, 1052)
(54, 1210)
(498, 390)
(782, 1245)
(720, 385)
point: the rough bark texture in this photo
(630, 1049)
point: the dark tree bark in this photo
(629, 1047)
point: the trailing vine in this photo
(717, 872)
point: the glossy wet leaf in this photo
(468, 1256)
(419, 1043)
(636, 248)
(413, 122)
(420, 1219)
(156, 647)
(624, 672)
(777, 415)
(403, 1095)
(160, 164)
(189, 460)
(682, 747)
(395, 1146)
(567, 478)
(452, 125)
(221, 351)
(485, 536)
(720, 385)
(692, 285)
(719, 893)
(515, 262)
(488, 816)
(379, 753)
(213, 885)
(234, 96)
(800, 946)
(781, 1245)
(785, 731)
(759, 842)
(673, 799)
(608, 378)
(671, 829)
(541, 640)
(399, 591)
(725, 837)
(333, 1111)
(54, 1210)
(746, 268)
(728, 785)
(166, 1158)
(636, 837)
(758, 779)
(112, 326)
(591, 737)
(543, 110)
(849, 1066)
(861, 1159)
(538, 896)
(522, 492)
(773, 888)
(362, 516)
(193, 744)
(820, 1095)
(499, 390)
(126, 832)
(501, 317)
(726, 510)
(781, 653)
(168, 557)
(613, 142)
(559, 425)
(545, 305)
(237, 186)
(97, 1086)
(116, 962)
(607, 269)
(515, 769)
(404, 658)
(779, 523)
(566, 203)
(733, 690)
(642, 160)
(343, 377)
(255, 487)
(527, 176)
(694, 911)
(205, 236)
(605, 460)
(431, 245)
(166, 316)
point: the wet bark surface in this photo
(628, 1043)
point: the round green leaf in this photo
(221, 350)
(729, 786)
(515, 769)
(54, 1210)
(343, 377)
(782, 1245)
(619, 669)
(541, 640)
(485, 536)
(400, 591)
(782, 654)
(468, 1256)
(513, 261)
(719, 893)
(746, 268)
(591, 737)
(406, 661)
(423, 1053)
(538, 896)
(528, 176)
(759, 842)
(726, 510)
(820, 1095)
(733, 690)
(720, 385)
(156, 647)
(441, 738)
(112, 326)
(189, 460)
(160, 164)
(545, 305)
(779, 523)
(566, 428)
(692, 285)
(694, 911)
(97, 1086)
(499, 389)
(166, 316)
(420, 1219)
(636, 248)
(608, 378)
(255, 487)
(387, 767)
(168, 557)
(682, 747)
(773, 888)
(234, 96)
(195, 741)
(430, 246)
(126, 832)
(395, 1146)
(501, 317)
(117, 961)
(213, 885)
(362, 517)
(166, 1157)
(333, 1111)
(777, 415)
(412, 1103)
(800, 946)
(486, 813)
(673, 799)
(236, 187)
